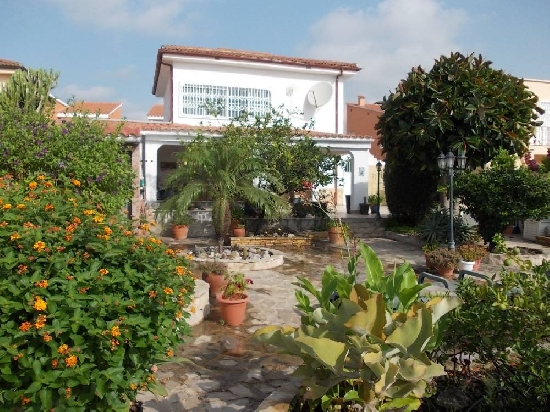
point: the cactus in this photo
(28, 90)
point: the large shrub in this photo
(86, 307)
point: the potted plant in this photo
(471, 254)
(180, 224)
(237, 220)
(429, 247)
(374, 202)
(213, 273)
(233, 299)
(364, 207)
(444, 261)
(337, 232)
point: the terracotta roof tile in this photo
(258, 57)
(10, 64)
(130, 129)
(156, 111)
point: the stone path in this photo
(231, 372)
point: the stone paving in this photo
(231, 372)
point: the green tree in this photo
(79, 148)
(225, 170)
(503, 194)
(462, 103)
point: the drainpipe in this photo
(143, 167)
(336, 96)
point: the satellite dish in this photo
(290, 90)
(319, 94)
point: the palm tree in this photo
(225, 170)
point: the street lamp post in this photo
(378, 169)
(448, 163)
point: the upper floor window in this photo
(202, 100)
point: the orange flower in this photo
(86, 255)
(69, 277)
(88, 212)
(15, 236)
(39, 304)
(24, 400)
(28, 225)
(97, 219)
(42, 283)
(168, 290)
(68, 238)
(170, 353)
(77, 220)
(21, 206)
(133, 386)
(7, 206)
(180, 270)
(115, 331)
(76, 182)
(22, 269)
(39, 246)
(48, 207)
(48, 184)
(40, 322)
(152, 294)
(107, 230)
(54, 363)
(83, 290)
(67, 393)
(128, 233)
(47, 337)
(71, 361)
(25, 326)
(32, 185)
(170, 252)
(103, 272)
(41, 177)
(63, 349)
(4, 223)
(18, 356)
(192, 309)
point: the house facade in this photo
(203, 89)
(7, 68)
(540, 142)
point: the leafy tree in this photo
(498, 196)
(28, 90)
(461, 103)
(224, 170)
(30, 142)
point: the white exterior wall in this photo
(279, 81)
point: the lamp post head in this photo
(441, 162)
(461, 161)
(450, 160)
(379, 166)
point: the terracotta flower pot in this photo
(477, 265)
(217, 283)
(336, 236)
(445, 272)
(179, 232)
(232, 311)
(239, 231)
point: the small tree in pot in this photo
(445, 261)
(214, 274)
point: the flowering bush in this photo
(86, 307)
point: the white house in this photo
(540, 142)
(190, 78)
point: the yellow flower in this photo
(180, 270)
(39, 246)
(170, 252)
(21, 206)
(88, 212)
(39, 304)
(15, 236)
(115, 331)
(192, 309)
(42, 283)
(32, 185)
(168, 291)
(133, 386)
(97, 219)
(103, 272)
(40, 322)
(25, 326)
(71, 361)
(107, 230)
(63, 349)
(7, 206)
(41, 177)
(76, 182)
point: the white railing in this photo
(541, 137)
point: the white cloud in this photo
(386, 41)
(122, 72)
(167, 17)
(93, 93)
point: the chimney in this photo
(361, 101)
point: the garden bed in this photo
(270, 241)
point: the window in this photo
(203, 100)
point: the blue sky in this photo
(105, 50)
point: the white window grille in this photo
(202, 100)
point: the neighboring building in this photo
(7, 68)
(361, 118)
(191, 80)
(156, 113)
(94, 110)
(540, 142)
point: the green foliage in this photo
(506, 324)
(236, 286)
(443, 258)
(470, 252)
(79, 149)
(434, 228)
(410, 192)
(28, 91)
(368, 339)
(498, 196)
(375, 199)
(461, 103)
(181, 218)
(86, 307)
